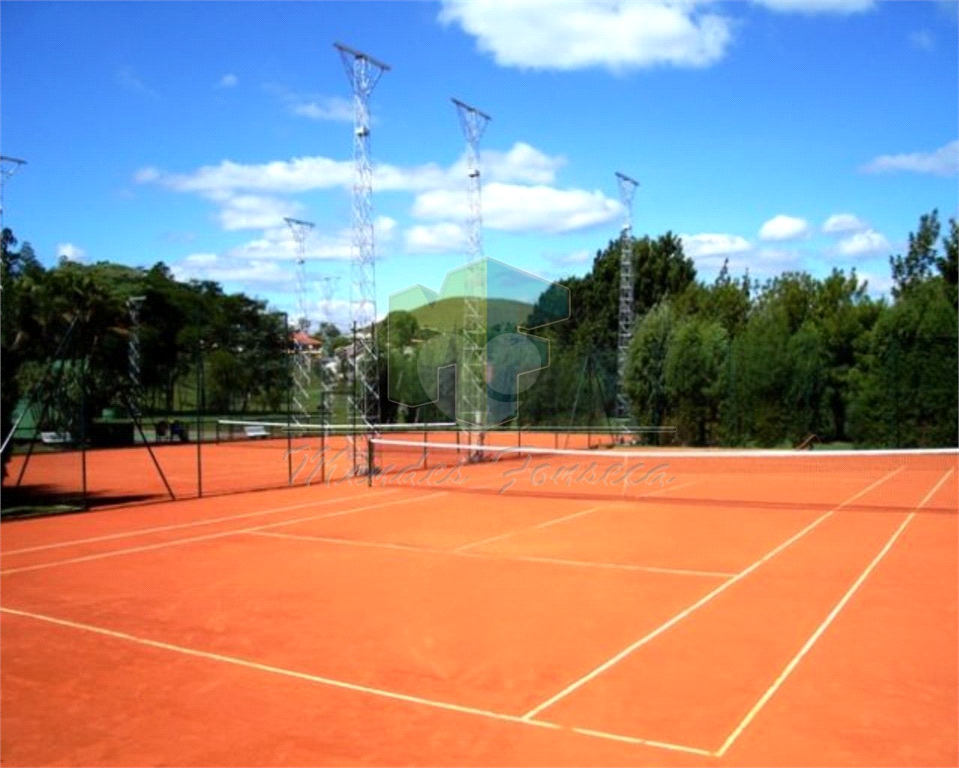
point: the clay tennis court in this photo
(733, 612)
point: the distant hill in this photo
(447, 313)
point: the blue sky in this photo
(784, 134)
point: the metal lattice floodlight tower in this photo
(627, 187)
(8, 167)
(472, 389)
(327, 289)
(133, 353)
(363, 72)
(301, 352)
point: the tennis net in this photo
(789, 479)
(284, 436)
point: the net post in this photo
(369, 462)
(355, 395)
(199, 421)
(138, 423)
(289, 405)
(39, 425)
(83, 432)
(323, 454)
(424, 448)
(289, 454)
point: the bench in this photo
(166, 430)
(255, 430)
(55, 438)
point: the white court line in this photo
(342, 684)
(535, 527)
(207, 537)
(744, 723)
(620, 566)
(275, 670)
(668, 490)
(177, 526)
(635, 740)
(564, 519)
(492, 556)
(699, 603)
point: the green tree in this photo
(20, 273)
(693, 368)
(921, 257)
(948, 264)
(844, 313)
(646, 383)
(758, 378)
(905, 384)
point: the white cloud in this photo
(844, 7)
(384, 229)
(948, 6)
(211, 266)
(267, 277)
(767, 262)
(584, 256)
(514, 208)
(333, 108)
(941, 162)
(129, 80)
(922, 40)
(228, 81)
(879, 282)
(248, 194)
(706, 244)
(252, 211)
(843, 222)
(783, 228)
(435, 238)
(865, 243)
(277, 243)
(522, 163)
(576, 34)
(337, 311)
(179, 238)
(71, 252)
(761, 263)
(280, 176)
(146, 175)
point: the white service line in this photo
(269, 668)
(548, 523)
(493, 556)
(342, 684)
(698, 604)
(535, 527)
(177, 526)
(737, 731)
(670, 489)
(615, 566)
(644, 742)
(207, 537)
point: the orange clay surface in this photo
(340, 624)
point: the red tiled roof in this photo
(305, 340)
